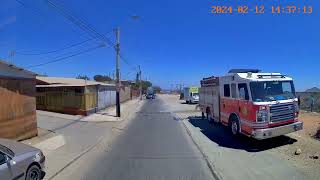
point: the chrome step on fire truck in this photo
(259, 105)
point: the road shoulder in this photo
(229, 163)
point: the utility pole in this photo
(140, 83)
(118, 114)
(11, 56)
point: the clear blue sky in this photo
(174, 41)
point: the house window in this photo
(226, 90)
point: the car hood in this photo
(17, 147)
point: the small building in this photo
(18, 102)
(73, 96)
(127, 91)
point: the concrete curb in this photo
(212, 168)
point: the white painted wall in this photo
(106, 97)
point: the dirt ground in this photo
(311, 124)
(305, 140)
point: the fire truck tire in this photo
(234, 126)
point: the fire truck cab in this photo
(259, 105)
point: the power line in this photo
(80, 23)
(128, 74)
(134, 67)
(35, 11)
(66, 57)
(54, 51)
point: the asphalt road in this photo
(155, 146)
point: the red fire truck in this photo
(259, 105)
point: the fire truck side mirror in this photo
(242, 94)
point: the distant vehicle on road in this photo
(191, 94)
(150, 93)
(259, 105)
(20, 161)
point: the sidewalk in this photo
(65, 138)
(109, 114)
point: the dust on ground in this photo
(308, 160)
(311, 124)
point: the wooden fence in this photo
(66, 101)
(17, 109)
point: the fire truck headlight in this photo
(296, 110)
(262, 115)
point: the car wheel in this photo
(33, 173)
(235, 127)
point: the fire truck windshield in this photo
(272, 90)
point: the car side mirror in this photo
(7, 159)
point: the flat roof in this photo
(16, 67)
(67, 82)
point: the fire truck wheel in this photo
(234, 126)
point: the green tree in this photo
(43, 75)
(85, 77)
(145, 85)
(157, 89)
(102, 78)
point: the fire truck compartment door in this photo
(216, 102)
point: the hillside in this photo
(314, 89)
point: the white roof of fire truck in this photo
(244, 75)
(256, 75)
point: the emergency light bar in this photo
(244, 70)
(261, 76)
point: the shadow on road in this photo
(223, 137)
(188, 103)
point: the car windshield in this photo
(195, 94)
(272, 90)
(6, 150)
